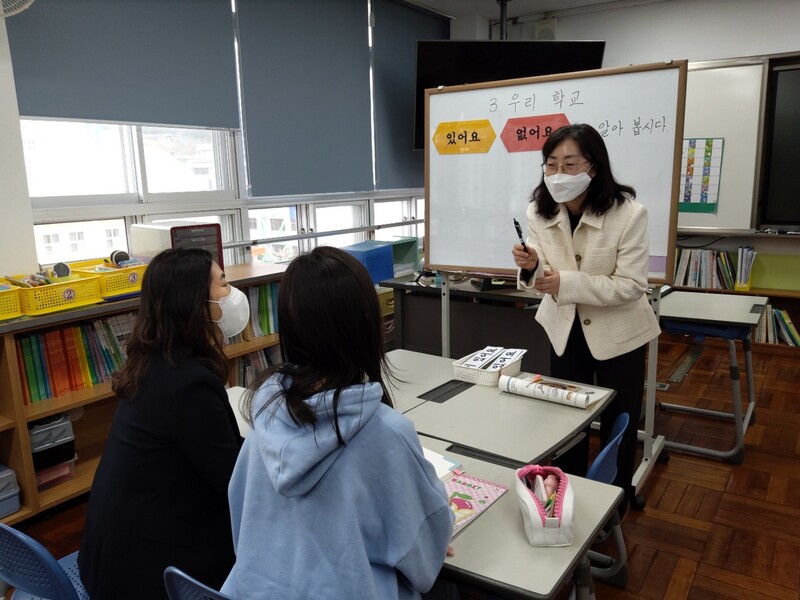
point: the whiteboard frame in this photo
(721, 223)
(655, 277)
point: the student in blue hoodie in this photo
(331, 496)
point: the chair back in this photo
(604, 467)
(29, 567)
(182, 587)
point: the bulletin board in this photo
(723, 101)
(483, 156)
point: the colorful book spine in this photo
(73, 362)
(30, 368)
(274, 288)
(83, 359)
(23, 376)
(42, 375)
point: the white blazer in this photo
(603, 278)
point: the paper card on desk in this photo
(469, 497)
(441, 464)
(507, 356)
(534, 386)
(481, 358)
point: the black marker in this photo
(519, 233)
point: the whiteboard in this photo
(724, 101)
(473, 194)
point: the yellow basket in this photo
(9, 302)
(119, 282)
(74, 292)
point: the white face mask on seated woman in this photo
(563, 187)
(235, 312)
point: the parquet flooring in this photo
(710, 529)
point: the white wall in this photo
(689, 29)
(17, 245)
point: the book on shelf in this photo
(469, 497)
(30, 368)
(23, 378)
(790, 326)
(683, 266)
(83, 359)
(73, 361)
(744, 266)
(782, 326)
(551, 390)
(42, 376)
(56, 360)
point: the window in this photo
(344, 216)
(274, 222)
(86, 240)
(180, 160)
(76, 159)
(80, 171)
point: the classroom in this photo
(305, 112)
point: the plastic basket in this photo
(9, 303)
(75, 292)
(482, 376)
(118, 282)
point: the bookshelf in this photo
(776, 269)
(97, 402)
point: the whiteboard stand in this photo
(652, 445)
(445, 315)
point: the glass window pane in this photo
(80, 240)
(271, 223)
(72, 159)
(331, 218)
(389, 212)
(179, 160)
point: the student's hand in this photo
(525, 260)
(451, 551)
(548, 283)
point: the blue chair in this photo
(182, 587)
(608, 569)
(34, 573)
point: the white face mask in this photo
(235, 312)
(563, 187)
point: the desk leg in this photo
(582, 578)
(399, 337)
(736, 453)
(652, 444)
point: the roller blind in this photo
(398, 27)
(168, 62)
(305, 74)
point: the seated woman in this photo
(331, 496)
(159, 496)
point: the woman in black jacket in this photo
(159, 496)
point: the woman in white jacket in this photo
(587, 251)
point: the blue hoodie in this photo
(315, 519)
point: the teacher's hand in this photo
(525, 260)
(548, 283)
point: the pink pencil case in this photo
(545, 525)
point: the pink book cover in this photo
(469, 497)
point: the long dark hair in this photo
(331, 333)
(604, 190)
(174, 319)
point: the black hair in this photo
(331, 333)
(603, 191)
(174, 318)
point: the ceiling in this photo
(490, 9)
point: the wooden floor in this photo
(710, 529)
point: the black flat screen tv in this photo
(780, 209)
(456, 62)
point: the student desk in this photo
(483, 421)
(730, 317)
(493, 552)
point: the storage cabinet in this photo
(97, 402)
